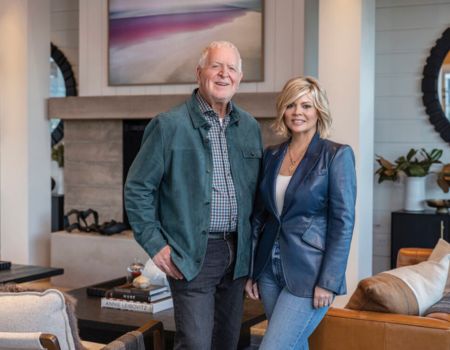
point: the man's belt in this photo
(222, 235)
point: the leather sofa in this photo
(345, 329)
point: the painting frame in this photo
(157, 33)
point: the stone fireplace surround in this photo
(93, 176)
(93, 171)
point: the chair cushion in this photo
(20, 340)
(395, 290)
(39, 311)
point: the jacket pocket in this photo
(252, 153)
(314, 238)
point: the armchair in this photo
(45, 320)
(353, 330)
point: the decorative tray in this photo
(99, 290)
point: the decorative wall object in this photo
(160, 41)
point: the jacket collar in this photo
(303, 169)
(197, 118)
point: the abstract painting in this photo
(160, 41)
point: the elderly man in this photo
(189, 196)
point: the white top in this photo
(280, 189)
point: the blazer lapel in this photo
(272, 173)
(303, 169)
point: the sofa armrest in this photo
(419, 321)
(344, 329)
(412, 256)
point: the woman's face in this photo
(301, 116)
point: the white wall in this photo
(283, 50)
(346, 69)
(24, 132)
(64, 18)
(405, 32)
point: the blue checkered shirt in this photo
(223, 201)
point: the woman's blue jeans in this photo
(292, 319)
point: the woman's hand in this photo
(322, 297)
(252, 289)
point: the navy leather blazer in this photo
(316, 225)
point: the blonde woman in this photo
(304, 218)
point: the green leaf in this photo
(412, 152)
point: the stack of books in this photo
(126, 297)
(5, 265)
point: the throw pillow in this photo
(441, 249)
(406, 290)
(426, 279)
(384, 293)
(48, 311)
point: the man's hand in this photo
(322, 297)
(252, 289)
(164, 262)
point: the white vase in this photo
(414, 199)
(57, 174)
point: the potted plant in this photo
(415, 166)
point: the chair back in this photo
(29, 314)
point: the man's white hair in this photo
(218, 45)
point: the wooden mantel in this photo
(261, 105)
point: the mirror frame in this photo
(430, 93)
(70, 83)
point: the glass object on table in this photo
(134, 270)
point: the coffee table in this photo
(104, 325)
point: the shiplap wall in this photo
(283, 50)
(64, 29)
(405, 32)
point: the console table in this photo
(417, 229)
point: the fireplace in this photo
(133, 130)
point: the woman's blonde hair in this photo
(292, 91)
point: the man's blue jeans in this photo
(208, 309)
(292, 319)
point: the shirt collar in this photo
(205, 107)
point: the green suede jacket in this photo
(168, 188)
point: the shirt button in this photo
(198, 261)
(207, 203)
(252, 154)
(208, 171)
(203, 232)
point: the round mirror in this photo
(444, 85)
(62, 83)
(435, 86)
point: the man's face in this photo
(219, 79)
